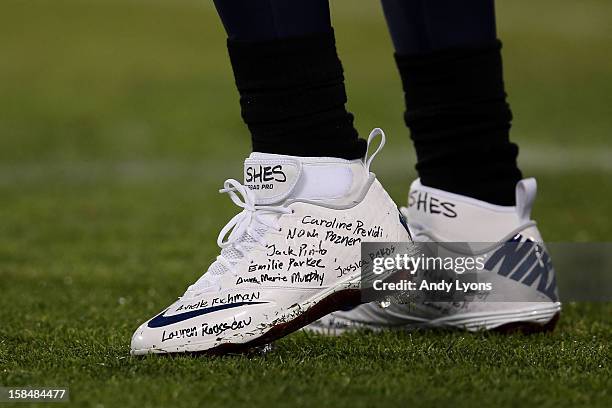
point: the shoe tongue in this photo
(271, 178)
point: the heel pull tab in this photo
(526, 191)
(375, 132)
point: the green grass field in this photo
(118, 123)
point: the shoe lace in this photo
(242, 233)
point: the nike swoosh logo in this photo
(161, 320)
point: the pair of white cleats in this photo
(291, 259)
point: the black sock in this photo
(459, 121)
(292, 97)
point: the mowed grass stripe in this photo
(549, 160)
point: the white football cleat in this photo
(291, 256)
(525, 296)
